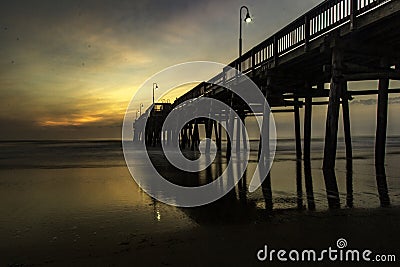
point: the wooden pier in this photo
(337, 42)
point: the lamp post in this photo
(140, 109)
(247, 19)
(155, 86)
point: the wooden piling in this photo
(299, 185)
(244, 136)
(264, 159)
(196, 136)
(348, 144)
(185, 137)
(346, 126)
(332, 129)
(230, 123)
(307, 153)
(209, 127)
(238, 133)
(190, 136)
(380, 144)
(307, 127)
(218, 132)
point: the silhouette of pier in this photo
(337, 42)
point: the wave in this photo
(63, 154)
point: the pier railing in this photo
(317, 22)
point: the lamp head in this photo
(248, 18)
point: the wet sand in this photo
(223, 244)
(237, 244)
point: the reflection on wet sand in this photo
(349, 183)
(382, 186)
(309, 185)
(239, 203)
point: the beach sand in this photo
(223, 244)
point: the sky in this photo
(68, 69)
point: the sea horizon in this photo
(120, 139)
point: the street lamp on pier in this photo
(140, 109)
(247, 19)
(155, 86)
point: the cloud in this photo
(69, 64)
(25, 129)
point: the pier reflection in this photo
(309, 185)
(239, 203)
(242, 185)
(382, 186)
(349, 183)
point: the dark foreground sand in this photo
(227, 244)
